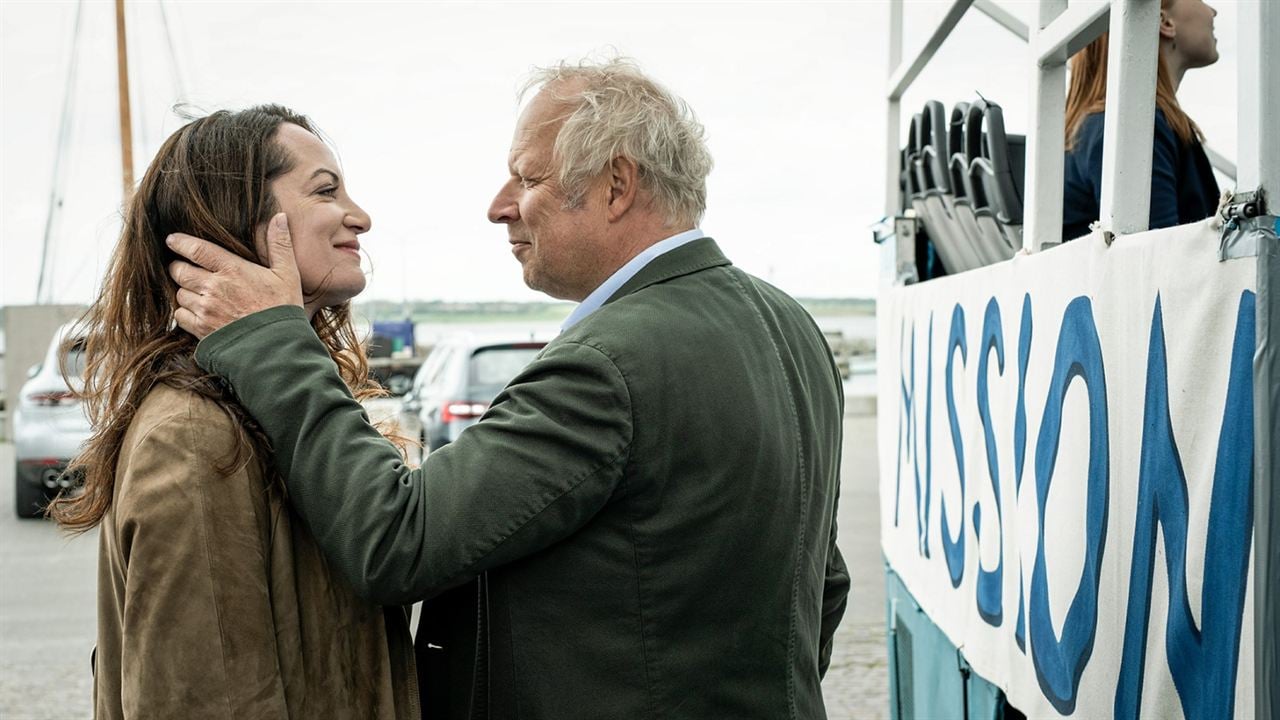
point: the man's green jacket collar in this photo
(698, 255)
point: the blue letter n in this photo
(1202, 660)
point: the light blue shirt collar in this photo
(625, 273)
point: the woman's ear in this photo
(1167, 29)
(260, 243)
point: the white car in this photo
(49, 426)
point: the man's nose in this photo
(503, 209)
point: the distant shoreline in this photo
(445, 312)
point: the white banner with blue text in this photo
(1066, 477)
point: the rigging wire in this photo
(146, 130)
(44, 286)
(179, 87)
(46, 289)
(137, 87)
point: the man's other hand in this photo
(220, 288)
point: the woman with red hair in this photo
(1183, 188)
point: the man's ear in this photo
(1167, 29)
(624, 181)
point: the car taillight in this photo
(41, 462)
(463, 410)
(52, 399)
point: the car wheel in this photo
(29, 500)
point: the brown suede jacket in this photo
(213, 599)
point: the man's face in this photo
(559, 248)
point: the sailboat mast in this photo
(126, 126)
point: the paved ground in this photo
(48, 586)
(47, 613)
(857, 683)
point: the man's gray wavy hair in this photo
(619, 112)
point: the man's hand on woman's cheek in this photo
(217, 288)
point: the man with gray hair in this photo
(643, 523)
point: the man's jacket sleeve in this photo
(835, 597)
(835, 581)
(545, 458)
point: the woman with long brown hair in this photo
(213, 599)
(1183, 188)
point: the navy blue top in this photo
(1183, 188)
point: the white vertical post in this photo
(893, 119)
(1129, 129)
(1259, 102)
(1043, 221)
(1259, 167)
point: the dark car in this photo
(458, 380)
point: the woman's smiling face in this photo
(324, 222)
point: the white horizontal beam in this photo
(1004, 18)
(1075, 28)
(1220, 162)
(902, 76)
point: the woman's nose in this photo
(358, 220)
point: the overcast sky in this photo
(419, 99)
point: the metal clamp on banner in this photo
(1244, 222)
(897, 238)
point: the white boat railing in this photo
(1058, 31)
(1063, 30)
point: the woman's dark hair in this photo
(211, 179)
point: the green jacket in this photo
(641, 526)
